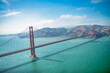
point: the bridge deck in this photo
(9, 53)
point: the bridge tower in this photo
(32, 42)
(94, 35)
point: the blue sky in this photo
(16, 15)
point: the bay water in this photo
(81, 55)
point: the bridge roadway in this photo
(13, 52)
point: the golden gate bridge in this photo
(33, 47)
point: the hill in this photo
(81, 30)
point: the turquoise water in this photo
(82, 55)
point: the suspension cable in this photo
(17, 35)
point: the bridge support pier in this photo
(32, 42)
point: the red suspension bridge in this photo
(32, 47)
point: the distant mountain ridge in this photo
(81, 30)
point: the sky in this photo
(17, 15)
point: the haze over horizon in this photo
(16, 15)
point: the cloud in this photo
(6, 2)
(68, 16)
(11, 14)
(20, 23)
(62, 21)
(82, 8)
(97, 1)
